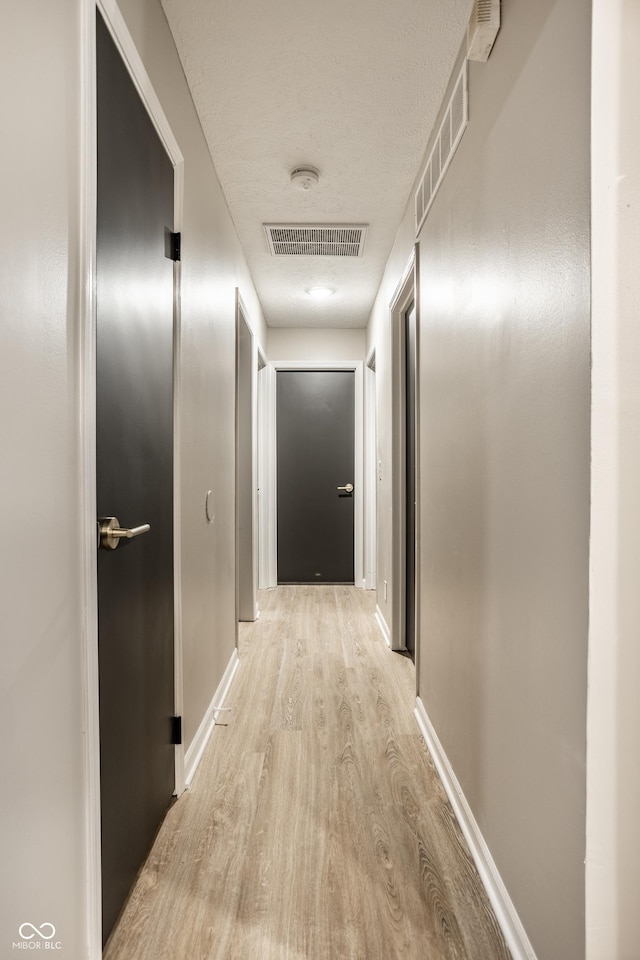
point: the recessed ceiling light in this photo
(320, 293)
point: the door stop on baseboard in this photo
(216, 710)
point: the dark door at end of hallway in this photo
(410, 499)
(315, 421)
(134, 464)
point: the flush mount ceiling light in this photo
(304, 178)
(320, 293)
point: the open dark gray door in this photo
(134, 476)
(315, 458)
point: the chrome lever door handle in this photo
(110, 533)
(348, 488)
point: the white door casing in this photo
(268, 457)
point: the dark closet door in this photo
(410, 422)
(134, 398)
(315, 457)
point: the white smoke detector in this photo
(305, 178)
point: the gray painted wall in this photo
(295, 343)
(504, 496)
(505, 408)
(41, 708)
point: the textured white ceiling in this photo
(349, 86)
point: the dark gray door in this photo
(410, 446)
(315, 456)
(134, 398)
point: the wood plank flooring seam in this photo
(316, 827)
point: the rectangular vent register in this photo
(315, 240)
(449, 135)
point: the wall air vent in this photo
(482, 31)
(445, 145)
(315, 240)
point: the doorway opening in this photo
(370, 472)
(246, 459)
(410, 416)
(405, 464)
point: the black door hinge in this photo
(176, 730)
(173, 246)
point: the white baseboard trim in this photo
(361, 584)
(506, 915)
(384, 629)
(193, 755)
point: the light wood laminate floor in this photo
(316, 826)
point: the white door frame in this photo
(270, 439)
(370, 471)
(613, 708)
(247, 610)
(87, 292)
(405, 294)
(267, 546)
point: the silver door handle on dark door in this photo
(111, 533)
(348, 488)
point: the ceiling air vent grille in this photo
(315, 240)
(483, 28)
(445, 145)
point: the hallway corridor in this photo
(316, 827)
